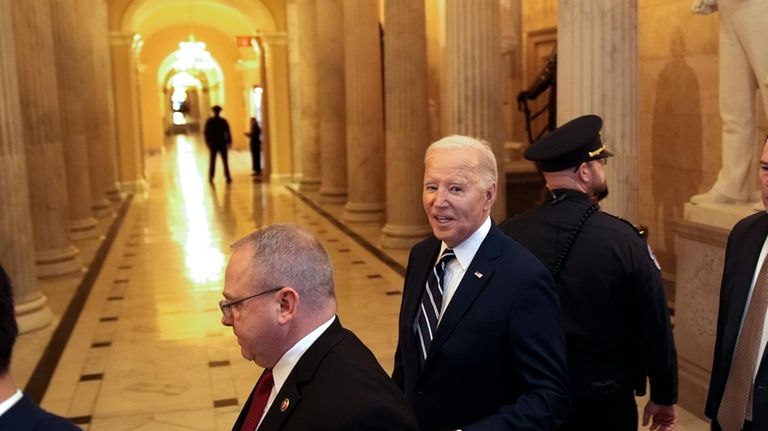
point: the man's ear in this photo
(584, 173)
(490, 196)
(288, 304)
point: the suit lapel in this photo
(479, 272)
(289, 397)
(415, 288)
(742, 281)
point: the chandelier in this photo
(193, 56)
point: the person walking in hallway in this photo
(481, 345)
(218, 139)
(17, 411)
(281, 305)
(738, 389)
(617, 324)
(254, 137)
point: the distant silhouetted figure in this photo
(255, 137)
(218, 139)
(18, 411)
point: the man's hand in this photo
(664, 417)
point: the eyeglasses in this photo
(226, 306)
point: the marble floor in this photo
(148, 351)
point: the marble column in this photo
(107, 98)
(294, 78)
(16, 239)
(407, 128)
(54, 253)
(597, 74)
(472, 98)
(277, 142)
(364, 112)
(69, 71)
(93, 87)
(130, 167)
(308, 126)
(331, 115)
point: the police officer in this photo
(615, 315)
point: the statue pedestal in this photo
(700, 242)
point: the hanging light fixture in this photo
(193, 56)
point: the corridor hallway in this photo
(148, 351)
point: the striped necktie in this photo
(431, 303)
(741, 379)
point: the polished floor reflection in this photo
(148, 351)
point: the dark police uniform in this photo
(615, 315)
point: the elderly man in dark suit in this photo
(481, 345)
(738, 390)
(17, 411)
(281, 305)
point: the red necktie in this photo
(259, 401)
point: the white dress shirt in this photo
(10, 402)
(456, 268)
(284, 366)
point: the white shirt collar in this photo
(285, 364)
(10, 402)
(466, 251)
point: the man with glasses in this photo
(280, 302)
(617, 324)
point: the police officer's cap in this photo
(570, 145)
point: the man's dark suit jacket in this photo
(336, 385)
(741, 255)
(498, 360)
(217, 134)
(25, 415)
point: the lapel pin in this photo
(478, 274)
(284, 405)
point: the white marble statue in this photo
(743, 71)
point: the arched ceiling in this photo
(230, 17)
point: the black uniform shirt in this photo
(616, 317)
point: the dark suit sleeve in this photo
(537, 343)
(656, 346)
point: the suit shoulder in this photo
(750, 222)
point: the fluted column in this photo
(472, 100)
(277, 142)
(64, 24)
(294, 79)
(365, 119)
(308, 136)
(91, 108)
(331, 115)
(16, 239)
(54, 254)
(597, 74)
(130, 166)
(407, 128)
(106, 98)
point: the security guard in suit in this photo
(616, 318)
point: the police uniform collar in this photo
(559, 195)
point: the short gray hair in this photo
(287, 255)
(485, 165)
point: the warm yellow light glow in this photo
(205, 262)
(192, 55)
